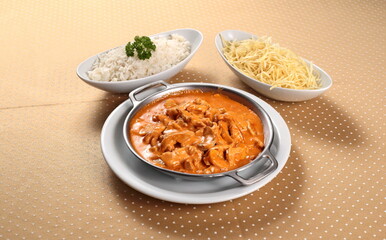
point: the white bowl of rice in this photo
(269, 69)
(113, 71)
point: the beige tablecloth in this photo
(55, 183)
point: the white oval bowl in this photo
(277, 93)
(193, 36)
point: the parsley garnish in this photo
(143, 45)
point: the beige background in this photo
(55, 183)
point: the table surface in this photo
(55, 183)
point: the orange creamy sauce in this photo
(197, 132)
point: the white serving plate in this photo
(193, 36)
(149, 181)
(277, 93)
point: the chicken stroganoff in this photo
(197, 132)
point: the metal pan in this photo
(232, 93)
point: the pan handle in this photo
(272, 167)
(132, 94)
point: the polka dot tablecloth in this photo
(55, 183)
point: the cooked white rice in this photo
(115, 65)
